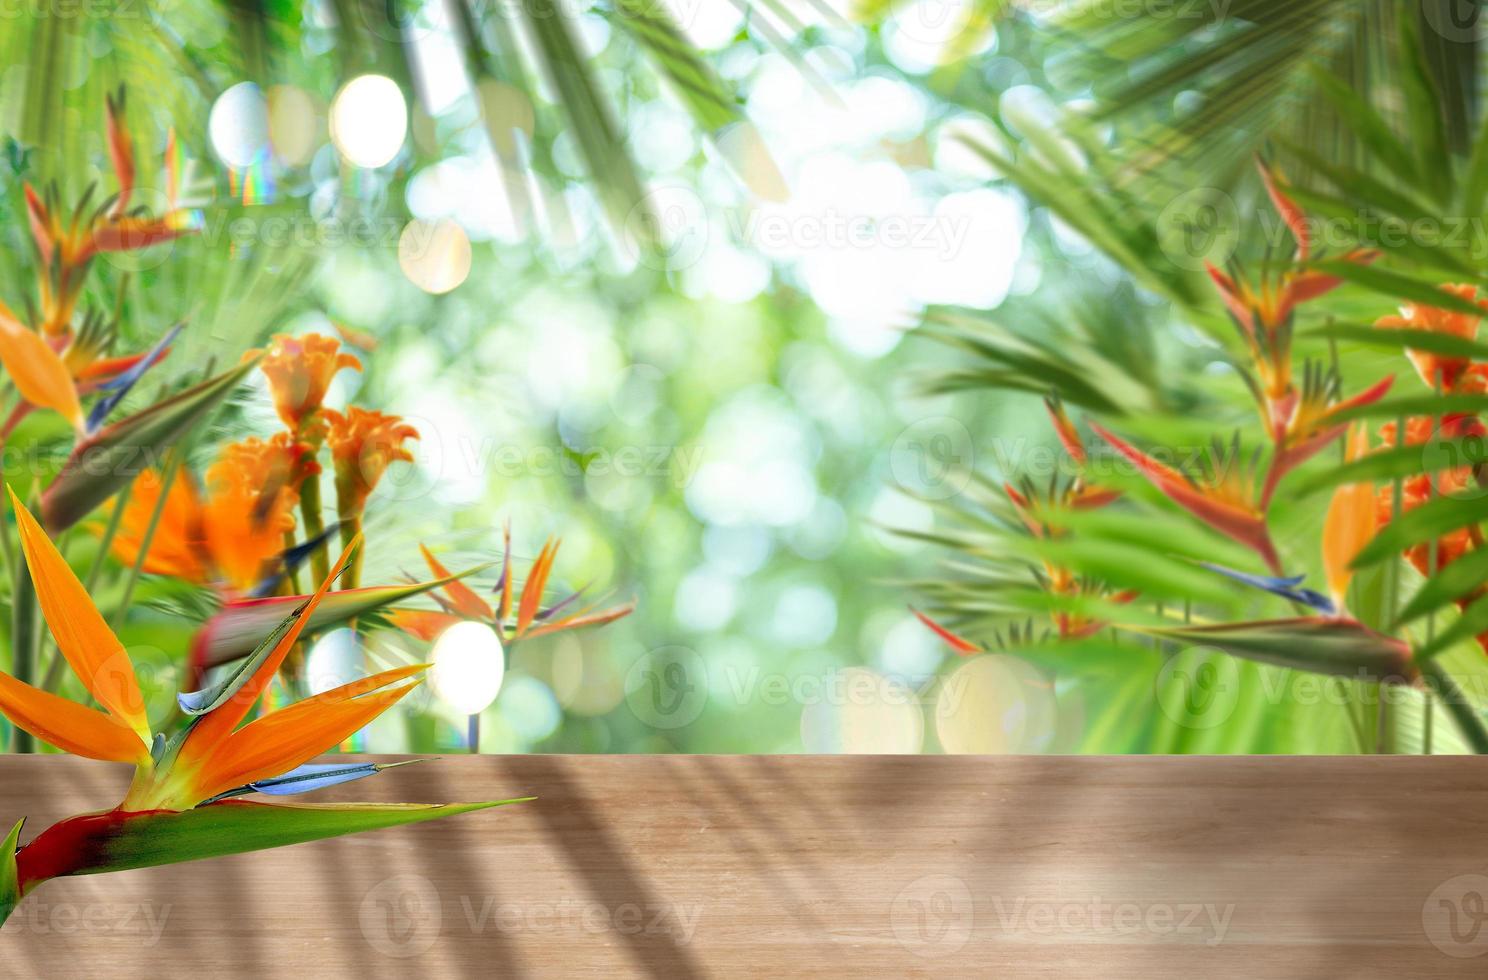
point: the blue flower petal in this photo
(1284, 586)
(307, 779)
(120, 385)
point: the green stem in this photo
(23, 643)
(172, 466)
(351, 526)
(120, 502)
(310, 513)
(1458, 706)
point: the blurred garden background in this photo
(745, 301)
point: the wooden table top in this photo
(692, 866)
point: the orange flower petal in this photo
(467, 603)
(582, 620)
(1290, 213)
(67, 725)
(91, 648)
(426, 624)
(1244, 525)
(960, 644)
(39, 373)
(532, 589)
(276, 743)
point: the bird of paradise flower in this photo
(184, 802)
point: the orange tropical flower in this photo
(1440, 369)
(364, 443)
(300, 370)
(185, 799)
(1421, 487)
(1225, 501)
(228, 534)
(531, 618)
(66, 247)
(1263, 310)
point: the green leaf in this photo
(1392, 338)
(1324, 646)
(97, 843)
(104, 463)
(591, 121)
(706, 96)
(1427, 522)
(1474, 620)
(1394, 408)
(1366, 123)
(1398, 286)
(10, 887)
(1455, 580)
(1386, 464)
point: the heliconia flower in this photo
(1439, 369)
(363, 444)
(300, 370)
(1312, 426)
(1222, 504)
(1350, 523)
(230, 533)
(958, 643)
(531, 619)
(182, 803)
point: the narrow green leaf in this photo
(1324, 646)
(1397, 286)
(110, 459)
(1391, 338)
(1474, 620)
(1456, 580)
(1427, 522)
(591, 121)
(1386, 464)
(706, 95)
(1434, 405)
(210, 699)
(98, 843)
(1366, 123)
(10, 886)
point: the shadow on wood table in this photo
(693, 866)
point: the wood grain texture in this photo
(691, 866)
